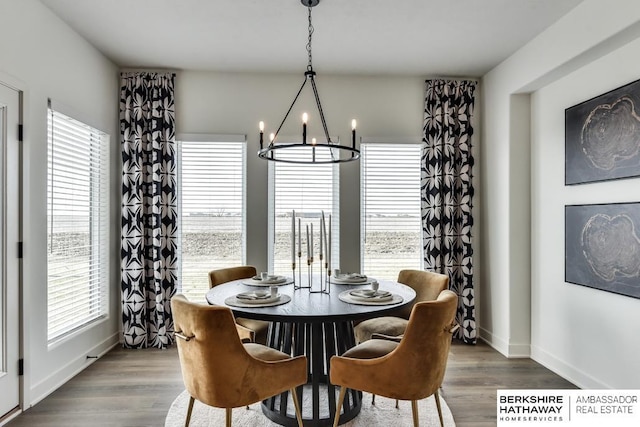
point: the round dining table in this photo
(318, 325)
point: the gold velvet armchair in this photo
(248, 329)
(412, 369)
(427, 285)
(218, 370)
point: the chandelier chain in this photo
(309, 66)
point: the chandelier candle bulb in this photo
(353, 133)
(313, 150)
(305, 117)
(261, 126)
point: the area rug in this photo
(384, 413)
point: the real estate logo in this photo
(586, 408)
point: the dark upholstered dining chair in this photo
(219, 370)
(411, 369)
(249, 329)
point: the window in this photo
(390, 204)
(309, 190)
(77, 224)
(211, 190)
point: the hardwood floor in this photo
(134, 388)
(474, 373)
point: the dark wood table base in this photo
(318, 341)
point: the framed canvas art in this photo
(602, 247)
(602, 137)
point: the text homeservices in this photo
(605, 404)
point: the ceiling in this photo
(388, 37)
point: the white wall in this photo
(41, 56)
(585, 335)
(225, 103)
(576, 329)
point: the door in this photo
(9, 261)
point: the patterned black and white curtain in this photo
(447, 191)
(149, 208)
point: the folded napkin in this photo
(352, 276)
(371, 295)
(253, 295)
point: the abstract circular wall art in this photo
(602, 137)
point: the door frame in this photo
(19, 87)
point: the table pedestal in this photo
(318, 341)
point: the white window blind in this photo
(211, 191)
(390, 204)
(77, 224)
(310, 190)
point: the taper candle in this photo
(326, 240)
(308, 250)
(321, 227)
(329, 244)
(299, 238)
(293, 237)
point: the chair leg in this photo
(397, 406)
(343, 392)
(414, 410)
(373, 399)
(437, 397)
(296, 405)
(228, 417)
(189, 409)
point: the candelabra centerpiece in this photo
(324, 254)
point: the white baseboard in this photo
(519, 351)
(579, 378)
(52, 382)
(503, 346)
(9, 417)
(495, 342)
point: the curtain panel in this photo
(447, 192)
(149, 208)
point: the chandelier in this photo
(313, 152)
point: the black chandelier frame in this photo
(269, 152)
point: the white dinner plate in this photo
(347, 297)
(257, 297)
(371, 295)
(350, 278)
(274, 280)
(234, 301)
